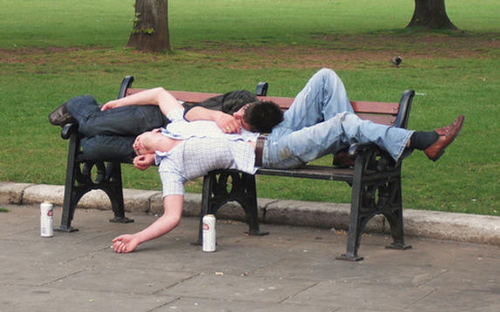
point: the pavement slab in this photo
(291, 269)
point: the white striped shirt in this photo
(204, 148)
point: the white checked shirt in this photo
(204, 148)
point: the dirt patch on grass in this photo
(341, 51)
(346, 50)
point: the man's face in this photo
(143, 144)
(239, 116)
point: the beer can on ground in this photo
(209, 237)
(46, 220)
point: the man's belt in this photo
(259, 147)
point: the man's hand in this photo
(143, 162)
(109, 105)
(227, 123)
(125, 243)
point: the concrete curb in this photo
(429, 224)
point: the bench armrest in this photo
(404, 109)
(126, 84)
(261, 89)
(68, 129)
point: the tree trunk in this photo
(430, 14)
(150, 28)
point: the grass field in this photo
(53, 50)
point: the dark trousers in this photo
(110, 134)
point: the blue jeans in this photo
(109, 135)
(320, 122)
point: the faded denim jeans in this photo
(320, 122)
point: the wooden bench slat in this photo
(311, 172)
(131, 91)
(192, 97)
(366, 110)
(387, 120)
(328, 173)
(358, 106)
(375, 107)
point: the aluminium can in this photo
(209, 235)
(46, 220)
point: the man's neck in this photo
(165, 144)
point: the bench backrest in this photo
(391, 114)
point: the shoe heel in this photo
(438, 156)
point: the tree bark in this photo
(430, 14)
(150, 28)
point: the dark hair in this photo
(262, 116)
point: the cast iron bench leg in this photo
(395, 218)
(114, 189)
(79, 182)
(69, 201)
(355, 223)
(249, 203)
(355, 226)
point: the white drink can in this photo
(209, 237)
(46, 220)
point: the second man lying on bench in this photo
(319, 122)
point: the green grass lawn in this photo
(53, 50)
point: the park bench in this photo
(375, 179)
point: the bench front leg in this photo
(70, 194)
(113, 187)
(355, 222)
(79, 181)
(394, 214)
(376, 189)
(362, 200)
(247, 198)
